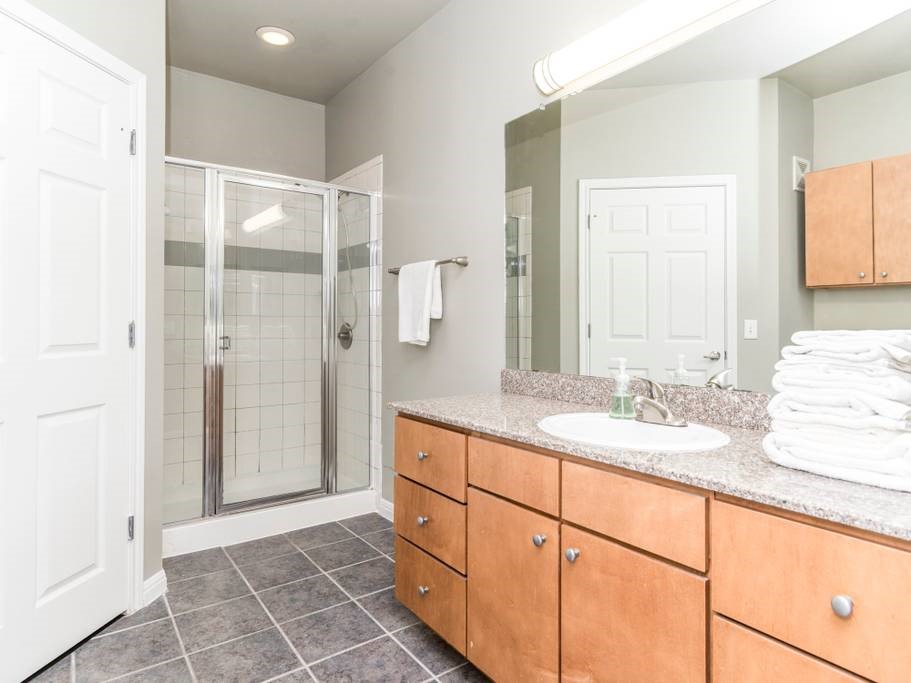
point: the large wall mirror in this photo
(662, 215)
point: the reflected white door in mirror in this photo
(655, 275)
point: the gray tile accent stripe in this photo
(192, 254)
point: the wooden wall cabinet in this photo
(858, 224)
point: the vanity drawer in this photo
(431, 590)
(523, 476)
(431, 521)
(664, 521)
(779, 576)
(740, 655)
(431, 456)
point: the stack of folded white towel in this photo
(843, 407)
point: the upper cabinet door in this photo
(892, 219)
(839, 226)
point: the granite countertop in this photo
(739, 469)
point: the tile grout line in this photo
(272, 619)
(385, 630)
(180, 642)
(120, 677)
(129, 628)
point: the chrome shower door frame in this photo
(213, 354)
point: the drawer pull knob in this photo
(422, 455)
(423, 590)
(861, 275)
(884, 274)
(538, 540)
(843, 606)
(422, 520)
(572, 554)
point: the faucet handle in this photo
(655, 390)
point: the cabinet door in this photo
(628, 617)
(513, 590)
(892, 219)
(839, 226)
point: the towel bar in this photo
(458, 260)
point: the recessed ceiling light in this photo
(275, 35)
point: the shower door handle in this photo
(224, 343)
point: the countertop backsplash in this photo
(744, 409)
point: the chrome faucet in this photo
(653, 408)
(721, 380)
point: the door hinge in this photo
(131, 333)
(133, 142)
(131, 527)
(589, 221)
(589, 330)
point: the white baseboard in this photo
(385, 508)
(245, 526)
(154, 587)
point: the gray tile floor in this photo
(313, 604)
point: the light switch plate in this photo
(750, 329)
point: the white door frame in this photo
(51, 29)
(729, 183)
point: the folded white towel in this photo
(420, 299)
(891, 474)
(833, 436)
(859, 350)
(899, 338)
(894, 387)
(837, 404)
(809, 365)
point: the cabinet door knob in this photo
(423, 590)
(538, 540)
(422, 455)
(884, 274)
(843, 605)
(422, 520)
(572, 554)
(861, 275)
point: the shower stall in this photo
(267, 334)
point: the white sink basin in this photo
(602, 430)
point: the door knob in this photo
(572, 554)
(538, 540)
(713, 355)
(422, 520)
(422, 455)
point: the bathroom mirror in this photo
(660, 215)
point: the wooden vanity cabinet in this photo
(858, 224)
(628, 617)
(513, 590)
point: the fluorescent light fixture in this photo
(275, 35)
(266, 220)
(634, 37)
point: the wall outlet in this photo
(750, 329)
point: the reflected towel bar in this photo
(458, 260)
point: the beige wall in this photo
(219, 121)
(867, 122)
(435, 106)
(135, 32)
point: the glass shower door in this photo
(272, 342)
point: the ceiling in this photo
(882, 51)
(336, 40)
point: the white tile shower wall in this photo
(183, 371)
(360, 368)
(519, 288)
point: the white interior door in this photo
(655, 269)
(65, 289)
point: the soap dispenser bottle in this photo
(622, 401)
(681, 375)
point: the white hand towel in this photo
(862, 346)
(899, 338)
(896, 475)
(420, 299)
(840, 404)
(894, 388)
(807, 365)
